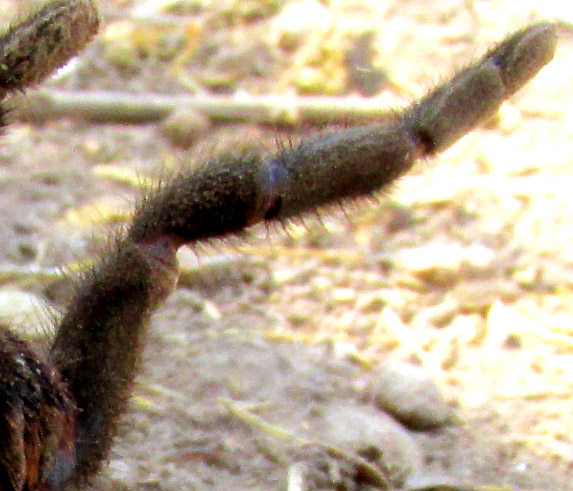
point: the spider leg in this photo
(36, 408)
(58, 416)
(33, 49)
(230, 193)
(98, 342)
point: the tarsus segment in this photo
(474, 94)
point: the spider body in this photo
(59, 415)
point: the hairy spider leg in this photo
(98, 343)
(58, 417)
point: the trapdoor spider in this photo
(58, 414)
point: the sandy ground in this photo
(263, 369)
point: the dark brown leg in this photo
(59, 416)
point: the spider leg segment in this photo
(45, 41)
(96, 350)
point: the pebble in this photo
(362, 430)
(185, 126)
(407, 392)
